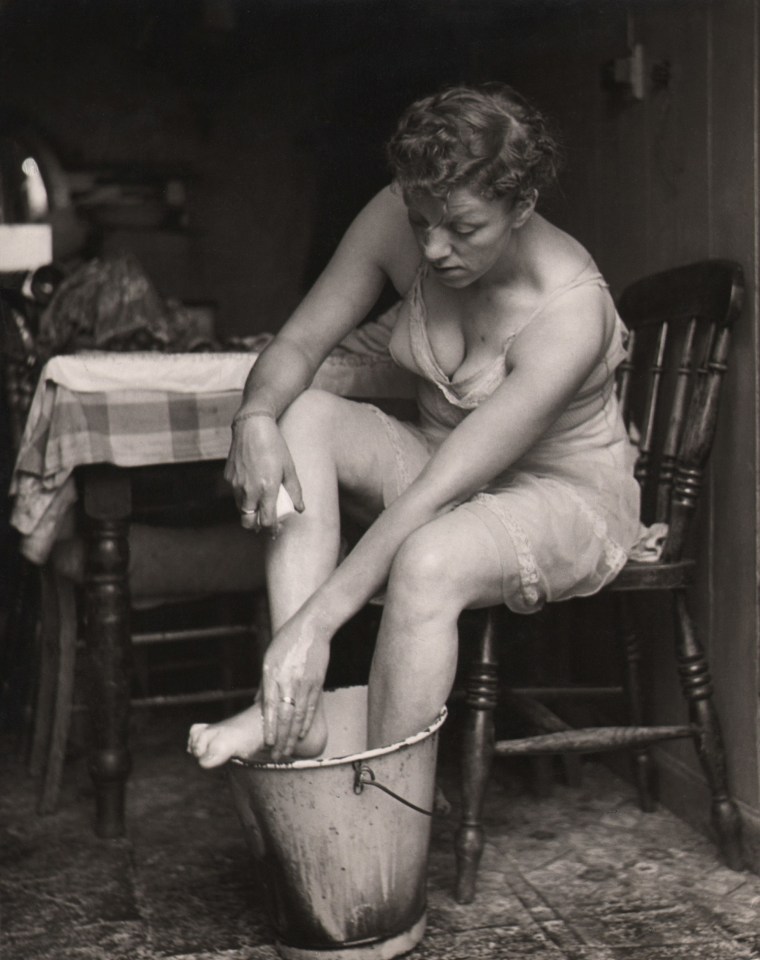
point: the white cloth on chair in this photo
(648, 548)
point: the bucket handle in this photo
(364, 776)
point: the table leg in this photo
(107, 504)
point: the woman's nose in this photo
(435, 245)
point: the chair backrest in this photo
(679, 324)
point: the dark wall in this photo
(275, 111)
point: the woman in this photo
(515, 486)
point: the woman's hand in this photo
(293, 674)
(258, 462)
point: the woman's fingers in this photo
(269, 707)
(249, 519)
(292, 484)
(267, 514)
(247, 504)
(294, 733)
(310, 709)
(255, 467)
(286, 709)
(258, 509)
(262, 475)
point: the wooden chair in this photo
(182, 548)
(680, 323)
(19, 369)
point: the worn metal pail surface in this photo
(344, 865)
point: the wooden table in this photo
(96, 434)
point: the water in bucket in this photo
(343, 862)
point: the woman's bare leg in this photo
(443, 568)
(334, 443)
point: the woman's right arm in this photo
(259, 460)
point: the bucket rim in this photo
(314, 763)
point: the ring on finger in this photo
(289, 700)
(248, 513)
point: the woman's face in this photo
(464, 238)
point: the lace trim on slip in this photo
(526, 560)
(614, 555)
(403, 476)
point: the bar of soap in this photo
(284, 504)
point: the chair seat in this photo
(653, 576)
(633, 576)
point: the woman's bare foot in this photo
(242, 736)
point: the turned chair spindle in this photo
(679, 324)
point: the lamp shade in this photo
(25, 246)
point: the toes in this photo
(207, 761)
(197, 728)
(197, 742)
(206, 745)
(210, 757)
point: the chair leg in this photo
(18, 639)
(696, 684)
(644, 770)
(477, 746)
(64, 695)
(48, 669)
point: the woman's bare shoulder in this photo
(580, 323)
(384, 224)
(559, 257)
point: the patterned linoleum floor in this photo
(582, 875)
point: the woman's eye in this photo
(464, 231)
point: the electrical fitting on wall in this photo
(624, 76)
(629, 71)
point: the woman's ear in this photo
(525, 207)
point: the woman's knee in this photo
(312, 409)
(424, 574)
(450, 564)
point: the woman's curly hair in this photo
(488, 139)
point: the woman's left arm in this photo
(547, 364)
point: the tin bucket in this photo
(344, 865)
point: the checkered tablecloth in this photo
(142, 425)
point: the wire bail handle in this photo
(364, 776)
